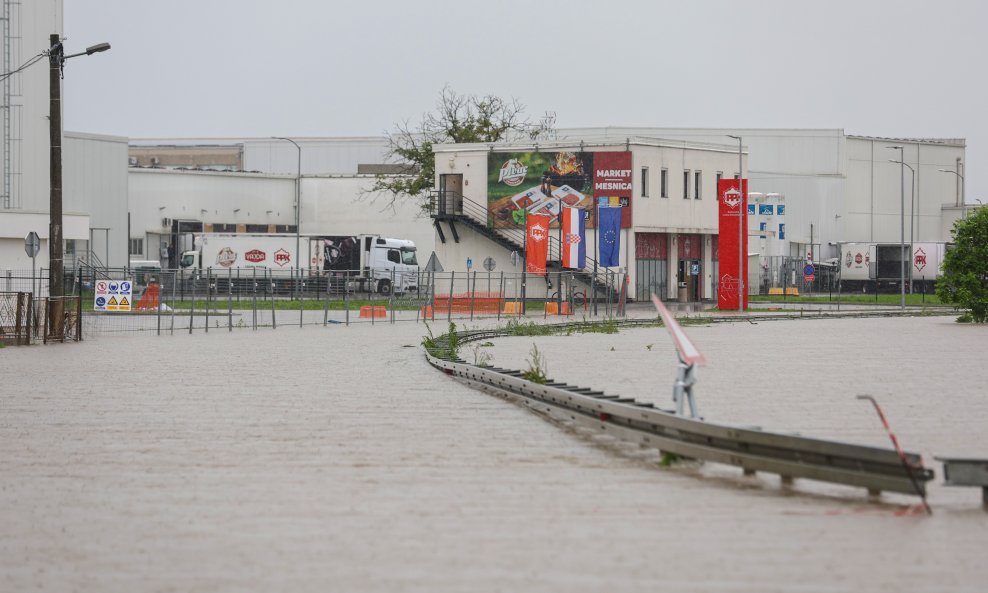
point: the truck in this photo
(865, 263)
(370, 263)
(366, 262)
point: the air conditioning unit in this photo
(166, 223)
(155, 161)
(132, 161)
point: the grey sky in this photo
(208, 68)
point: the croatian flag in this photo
(574, 239)
(609, 232)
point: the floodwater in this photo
(335, 459)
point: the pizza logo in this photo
(512, 172)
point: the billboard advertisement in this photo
(522, 183)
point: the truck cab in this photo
(390, 260)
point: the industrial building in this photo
(813, 189)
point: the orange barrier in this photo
(373, 311)
(478, 302)
(150, 301)
(552, 308)
(512, 307)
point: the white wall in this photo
(31, 25)
(15, 226)
(874, 198)
(343, 205)
(94, 182)
(330, 205)
(320, 156)
(220, 197)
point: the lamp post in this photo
(963, 205)
(902, 226)
(56, 280)
(298, 205)
(741, 237)
(912, 214)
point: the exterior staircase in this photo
(452, 208)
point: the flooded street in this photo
(336, 459)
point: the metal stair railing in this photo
(450, 205)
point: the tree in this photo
(965, 267)
(456, 119)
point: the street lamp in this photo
(56, 281)
(741, 237)
(902, 226)
(912, 213)
(298, 205)
(963, 205)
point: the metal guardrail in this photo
(789, 456)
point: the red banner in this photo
(733, 237)
(536, 242)
(612, 182)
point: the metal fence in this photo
(168, 301)
(785, 276)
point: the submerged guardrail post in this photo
(689, 356)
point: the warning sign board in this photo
(113, 295)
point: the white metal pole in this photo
(741, 214)
(902, 225)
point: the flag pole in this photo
(596, 253)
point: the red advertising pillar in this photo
(733, 224)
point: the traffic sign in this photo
(809, 273)
(32, 244)
(489, 264)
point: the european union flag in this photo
(609, 236)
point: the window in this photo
(697, 183)
(394, 256)
(644, 182)
(664, 184)
(686, 184)
(137, 246)
(720, 175)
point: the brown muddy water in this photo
(337, 459)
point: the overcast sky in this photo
(233, 68)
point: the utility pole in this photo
(56, 265)
(56, 237)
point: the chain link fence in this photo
(164, 302)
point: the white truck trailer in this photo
(358, 262)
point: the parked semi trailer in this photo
(367, 262)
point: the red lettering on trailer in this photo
(255, 256)
(282, 257)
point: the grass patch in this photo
(537, 369)
(914, 299)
